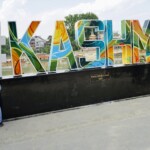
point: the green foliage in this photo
(70, 21)
(6, 48)
(45, 49)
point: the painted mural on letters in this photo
(20, 46)
(61, 37)
(132, 47)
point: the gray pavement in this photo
(123, 125)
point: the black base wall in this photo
(36, 94)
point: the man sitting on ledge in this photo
(1, 120)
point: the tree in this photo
(6, 48)
(70, 21)
(45, 49)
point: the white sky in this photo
(48, 11)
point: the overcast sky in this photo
(48, 11)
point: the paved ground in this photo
(123, 125)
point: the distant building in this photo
(98, 36)
(92, 37)
(116, 35)
(117, 55)
(101, 35)
(49, 39)
(37, 43)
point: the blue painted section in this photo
(57, 53)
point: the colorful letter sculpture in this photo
(141, 42)
(61, 37)
(132, 47)
(100, 46)
(18, 47)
